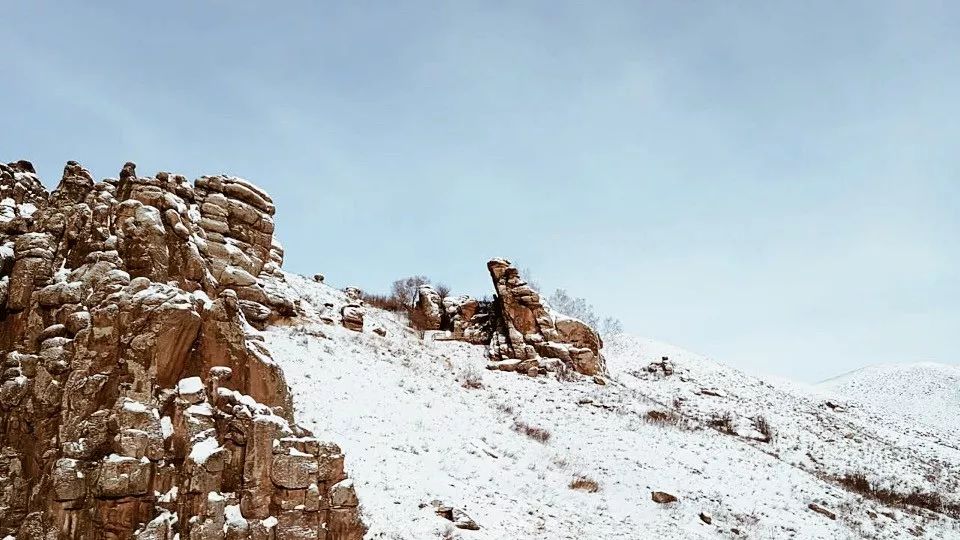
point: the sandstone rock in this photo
(352, 317)
(429, 307)
(527, 329)
(122, 378)
(353, 293)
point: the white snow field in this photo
(926, 392)
(414, 434)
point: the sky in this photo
(773, 184)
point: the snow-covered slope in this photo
(414, 433)
(926, 392)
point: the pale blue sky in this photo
(776, 185)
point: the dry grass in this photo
(584, 483)
(536, 433)
(471, 377)
(385, 302)
(859, 483)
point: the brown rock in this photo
(821, 510)
(527, 329)
(661, 497)
(122, 379)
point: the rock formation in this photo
(134, 400)
(468, 319)
(351, 316)
(529, 335)
(429, 306)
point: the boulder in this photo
(351, 316)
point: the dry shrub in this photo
(858, 482)
(564, 372)
(662, 417)
(418, 321)
(471, 377)
(584, 483)
(536, 433)
(761, 424)
(382, 301)
(723, 423)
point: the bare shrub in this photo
(858, 482)
(382, 301)
(505, 408)
(668, 418)
(442, 289)
(404, 291)
(564, 372)
(761, 424)
(584, 483)
(723, 423)
(662, 417)
(471, 377)
(536, 433)
(418, 321)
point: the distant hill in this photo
(928, 392)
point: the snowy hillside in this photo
(423, 423)
(926, 392)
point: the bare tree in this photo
(581, 309)
(404, 290)
(442, 289)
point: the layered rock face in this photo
(135, 400)
(529, 336)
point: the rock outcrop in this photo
(468, 319)
(135, 401)
(528, 335)
(430, 308)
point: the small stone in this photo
(661, 497)
(821, 510)
(706, 518)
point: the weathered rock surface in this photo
(528, 333)
(468, 319)
(351, 315)
(429, 306)
(134, 399)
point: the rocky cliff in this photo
(135, 399)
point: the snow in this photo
(270, 522)
(927, 392)
(130, 405)
(413, 434)
(166, 427)
(190, 385)
(170, 496)
(233, 518)
(201, 409)
(202, 450)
